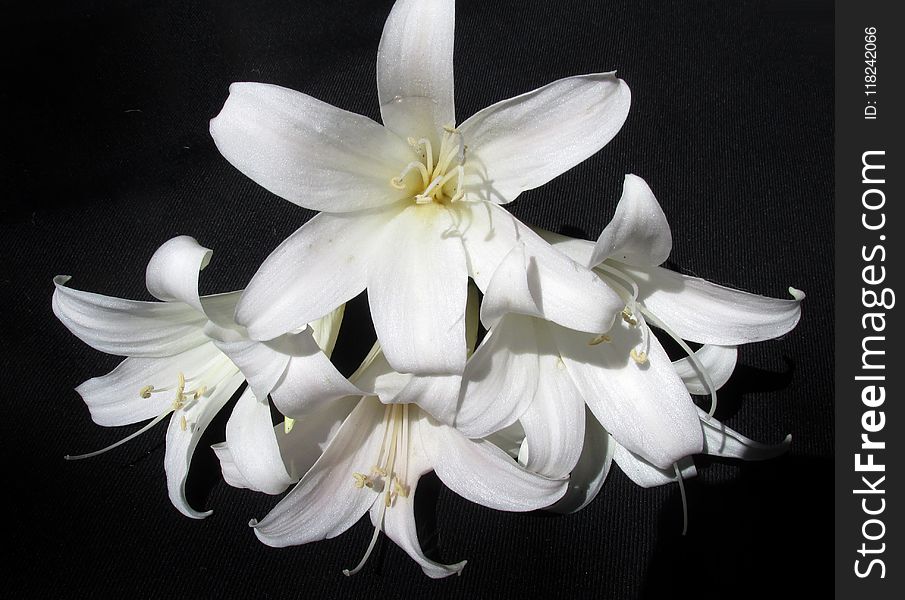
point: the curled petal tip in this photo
(252, 522)
(796, 293)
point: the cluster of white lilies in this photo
(569, 377)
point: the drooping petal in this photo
(127, 327)
(320, 266)
(554, 422)
(172, 273)
(116, 398)
(718, 362)
(479, 471)
(253, 445)
(417, 289)
(703, 312)
(307, 151)
(326, 502)
(540, 282)
(647, 475)
(500, 379)
(638, 234)
(592, 469)
(181, 442)
(524, 142)
(721, 440)
(415, 68)
(645, 407)
(399, 519)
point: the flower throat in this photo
(441, 182)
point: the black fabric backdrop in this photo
(106, 154)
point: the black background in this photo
(106, 155)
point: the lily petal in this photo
(127, 327)
(436, 394)
(718, 361)
(415, 67)
(399, 519)
(320, 266)
(501, 378)
(592, 469)
(307, 151)
(325, 502)
(638, 234)
(554, 422)
(722, 440)
(703, 312)
(253, 445)
(524, 142)
(311, 435)
(172, 273)
(181, 442)
(417, 290)
(115, 399)
(479, 471)
(645, 407)
(647, 475)
(540, 282)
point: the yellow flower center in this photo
(440, 177)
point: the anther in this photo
(362, 480)
(399, 489)
(183, 424)
(628, 317)
(639, 357)
(146, 391)
(600, 339)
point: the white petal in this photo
(231, 474)
(399, 519)
(415, 67)
(554, 423)
(638, 234)
(479, 471)
(436, 394)
(718, 362)
(326, 502)
(262, 363)
(311, 434)
(540, 282)
(577, 249)
(700, 311)
(127, 327)
(310, 380)
(721, 440)
(647, 475)
(115, 399)
(172, 273)
(326, 329)
(319, 267)
(181, 443)
(592, 469)
(253, 445)
(308, 152)
(645, 407)
(500, 379)
(524, 142)
(417, 289)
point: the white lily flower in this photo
(411, 209)
(372, 464)
(186, 357)
(624, 377)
